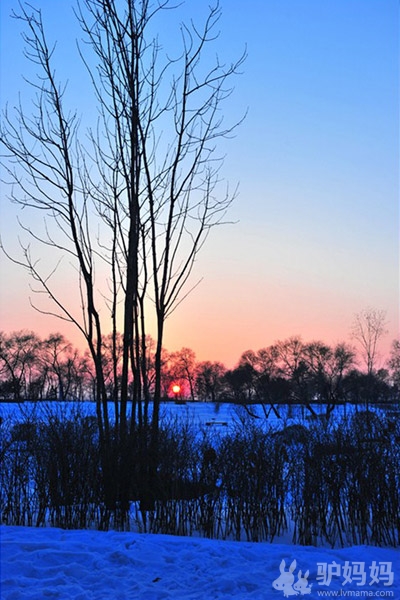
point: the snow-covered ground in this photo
(92, 565)
(219, 417)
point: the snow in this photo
(40, 563)
(92, 565)
(216, 417)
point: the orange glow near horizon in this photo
(312, 238)
(219, 331)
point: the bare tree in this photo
(394, 363)
(327, 369)
(182, 368)
(60, 360)
(368, 329)
(137, 200)
(210, 380)
(18, 362)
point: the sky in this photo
(314, 232)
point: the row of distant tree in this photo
(32, 368)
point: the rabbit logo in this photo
(302, 585)
(285, 582)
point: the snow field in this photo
(91, 565)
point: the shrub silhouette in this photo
(329, 482)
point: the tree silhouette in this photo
(135, 198)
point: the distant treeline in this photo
(289, 371)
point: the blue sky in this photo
(316, 230)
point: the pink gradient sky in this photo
(316, 233)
